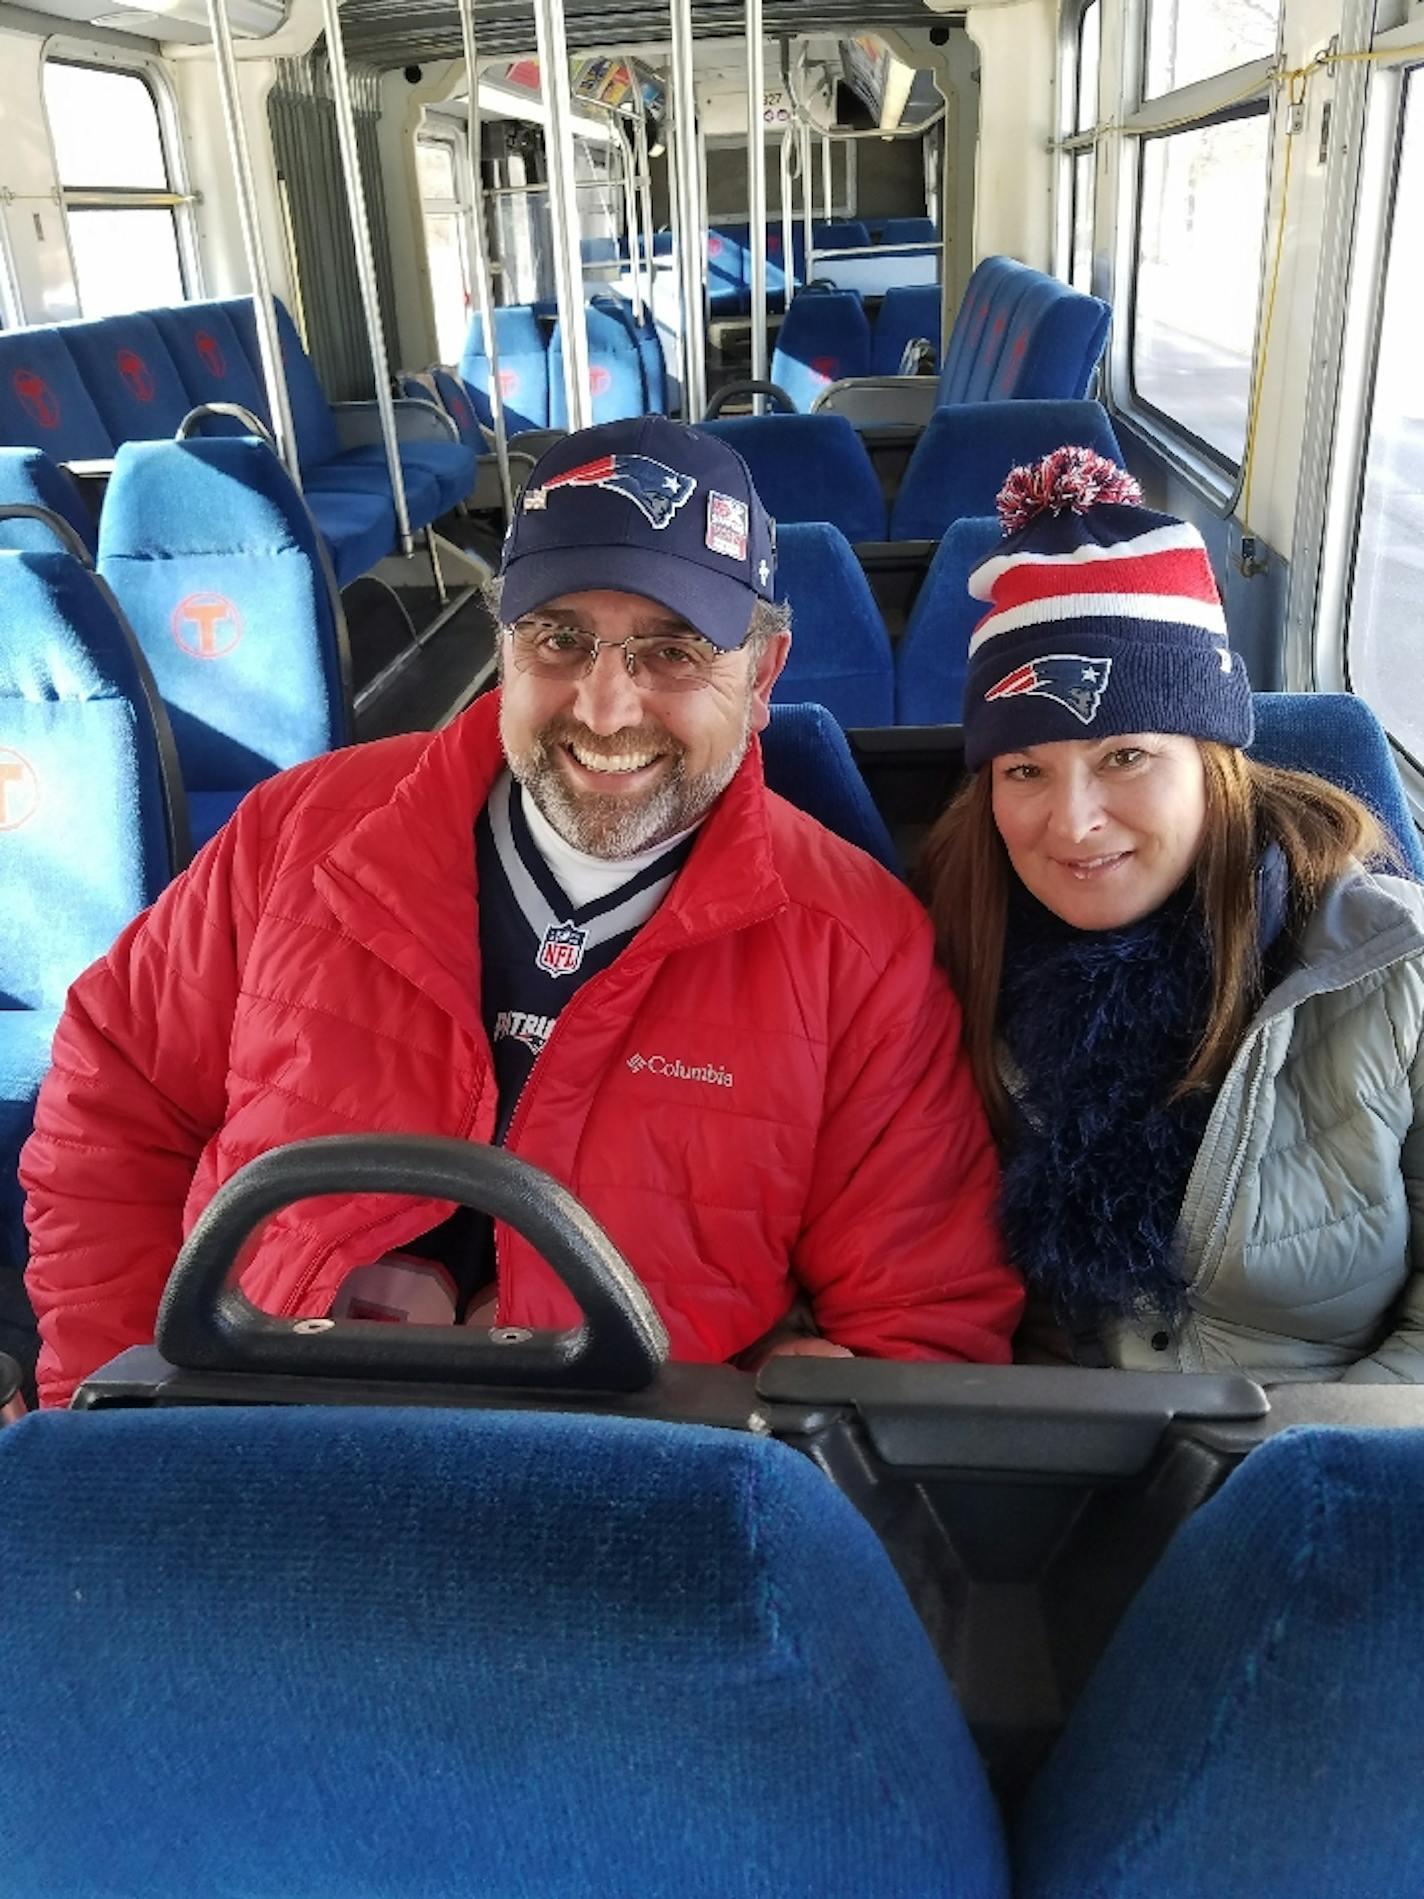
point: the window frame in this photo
(179, 198)
(1373, 229)
(1190, 108)
(451, 137)
(1162, 425)
(1075, 141)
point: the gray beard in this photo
(614, 827)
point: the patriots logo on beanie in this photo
(1102, 615)
(1069, 679)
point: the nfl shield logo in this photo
(561, 951)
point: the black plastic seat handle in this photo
(206, 1323)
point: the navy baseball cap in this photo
(643, 506)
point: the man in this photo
(576, 922)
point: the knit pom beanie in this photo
(1103, 618)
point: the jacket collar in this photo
(402, 880)
(1364, 923)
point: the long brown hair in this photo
(1319, 829)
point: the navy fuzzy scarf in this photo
(1100, 1027)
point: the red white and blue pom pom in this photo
(1076, 478)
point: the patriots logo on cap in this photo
(1069, 679)
(656, 490)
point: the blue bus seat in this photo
(824, 337)
(892, 231)
(648, 345)
(1337, 736)
(28, 476)
(615, 371)
(727, 270)
(92, 826)
(808, 761)
(932, 657)
(404, 1649)
(1020, 333)
(908, 312)
(43, 401)
(840, 651)
(962, 459)
(1253, 1725)
(437, 474)
(808, 468)
(523, 369)
(455, 400)
(131, 378)
(212, 362)
(216, 563)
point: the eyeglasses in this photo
(664, 662)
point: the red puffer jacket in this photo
(316, 971)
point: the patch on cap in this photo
(656, 490)
(727, 522)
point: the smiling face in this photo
(1102, 831)
(615, 762)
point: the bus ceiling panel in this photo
(397, 32)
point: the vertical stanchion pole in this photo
(563, 207)
(479, 252)
(788, 218)
(365, 261)
(826, 175)
(756, 189)
(630, 212)
(264, 310)
(692, 246)
(808, 214)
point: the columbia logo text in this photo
(677, 1070)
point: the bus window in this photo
(1196, 286)
(1382, 644)
(441, 204)
(1189, 42)
(120, 204)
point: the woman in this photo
(1194, 1013)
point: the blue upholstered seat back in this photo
(932, 658)
(809, 468)
(825, 336)
(84, 843)
(134, 382)
(840, 651)
(1253, 1727)
(523, 369)
(449, 1652)
(318, 440)
(212, 362)
(728, 269)
(808, 762)
(29, 477)
(967, 450)
(86, 834)
(909, 311)
(1022, 334)
(905, 231)
(615, 374)
(214, 559)
(455, 400)
(1336, 736)
(648, 346)
(43, 401)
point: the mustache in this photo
(630, 739)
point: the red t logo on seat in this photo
(19, 790)
(135, 372)
(36, 398)
(210, 350)
(206, 625)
